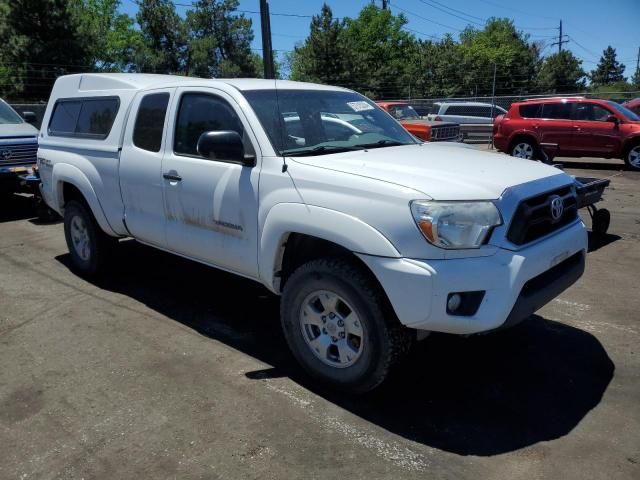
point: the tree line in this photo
(43, 39)
(375, 53)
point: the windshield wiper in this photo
(320, 150)
(382, 143)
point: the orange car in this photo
(423, 129)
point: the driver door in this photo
(211, 206)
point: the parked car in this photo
(18, 147)
(633, 105)
(569, 127)
(372, 241)
(465, 112)
(427, 130)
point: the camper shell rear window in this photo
(84, 117)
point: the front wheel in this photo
(334, 321)
(524, 149)
(632, 158)
(89, 247)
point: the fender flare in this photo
(337, 227)
(66, 173)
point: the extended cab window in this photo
(89, 118)
(200, 113)
(147, 133)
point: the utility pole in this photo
(385, 4)
(638, 63)
(493, 98)
(267, 52)
(561, 39)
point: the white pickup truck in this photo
(371, 237)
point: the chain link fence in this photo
(424, 104)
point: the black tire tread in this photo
(399, 338)
(104, 244)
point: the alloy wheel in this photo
(332, 329)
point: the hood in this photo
(9, 130)
(441, 171)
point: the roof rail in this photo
(559, 97)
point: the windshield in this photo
(319, 122)
(403, 112)
(8, 114)
(625, 111)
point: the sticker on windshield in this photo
(359, 106)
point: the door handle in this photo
(172, 176)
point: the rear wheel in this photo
(334, 321)
(89, 246)
(632, 158)
(525, 148)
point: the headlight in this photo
(455, 224)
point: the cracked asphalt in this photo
(169, 369)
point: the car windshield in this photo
(625, 111)
(319, 122)
(8, 114)
(403, 112)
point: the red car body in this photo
(426, 130)
(569, 127)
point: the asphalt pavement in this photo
(169, 369)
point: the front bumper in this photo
(516, 283)
(13, 178)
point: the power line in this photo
(449, 13)
(395, 5)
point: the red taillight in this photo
(438, 118)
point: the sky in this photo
(591, 25)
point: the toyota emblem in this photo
(5, 154)
(557, 207)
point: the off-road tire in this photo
(100, 245)
(386, 341)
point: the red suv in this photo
(569, 127)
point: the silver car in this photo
(465, 112)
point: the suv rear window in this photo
(558, 111)
(530, 111)
(88, 118)
(483, 111)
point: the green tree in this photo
(561, 73)
(635, 80)
(220, 41)
(377, 53)
(164, 38)
(110, 35)
(39, 40)
(609, 70)
(320, 57)
(502, 45)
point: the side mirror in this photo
(613, 119)
(224, 145)
(30, 117)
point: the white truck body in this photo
(239, 218)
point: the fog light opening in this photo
(464, 304)
(454, 302)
